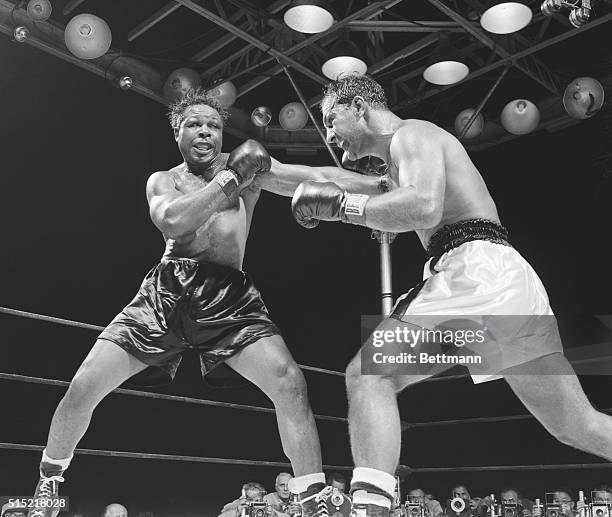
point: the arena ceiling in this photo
(247, 41)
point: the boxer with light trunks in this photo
(473, 270)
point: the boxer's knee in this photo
(358, 384)
(288, 382)
(84, 391)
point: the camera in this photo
(600, 510)
(338, 504)
(414, 509)
(553, 510)
(457, 505)
(510, 510)
(255, 509)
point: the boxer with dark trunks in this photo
(197, 298)
(473, 274)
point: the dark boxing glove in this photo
(243, 163)
(325, 201)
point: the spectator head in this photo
(281, 485)
(565, 498)
(602, 494)
(115, 510)
(462, 492)
(337, 481)
(253, 491)
(510, 495)
(415, 495)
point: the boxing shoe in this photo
(308, 501)
(46, 489)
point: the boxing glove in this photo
(325, 201)
(243, 163)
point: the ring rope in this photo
(565, 466)
(232, 461)
(207, 402)
(89, 326)
(479, 420)
(170, 457)
(160, 396)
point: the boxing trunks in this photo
(184, 304)
(476, 279)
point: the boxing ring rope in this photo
(165, 457)
(206, 402)
(259, 463)
(89, 326)
(160, 396)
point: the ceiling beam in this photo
(536, 72)
(201, 55)
(152, 20)
(518, 55)
(70, 6)
(205, 13)
(403, 26)
(373, 9)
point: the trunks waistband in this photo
(454, 235)
(203, 264)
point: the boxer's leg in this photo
(106, 367)
(374, 421)
(268, 364)
(551, 391)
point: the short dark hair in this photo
(253, 485)
(347, 87)
(567, 491)
(511, 488)
(335, 476)
(193, 97)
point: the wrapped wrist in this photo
(352, 209)
(229, 181)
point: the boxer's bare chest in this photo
(222, 238)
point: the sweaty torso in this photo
(466, 195)
(222, 238)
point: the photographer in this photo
(336, 481)
(251, 492)
(459, 492)
(431, 507)
(279, 500)
(566, 501)
(507, 496)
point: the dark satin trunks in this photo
(183, 304)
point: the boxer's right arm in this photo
(284, 178)
(177, 214)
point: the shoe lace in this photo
(47, 485)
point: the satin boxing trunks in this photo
(184, 304)
(476, 279)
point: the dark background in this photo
(77, 240)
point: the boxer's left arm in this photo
(416, 204)
(283, 179)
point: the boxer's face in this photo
(342, 124)
(200, 135)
